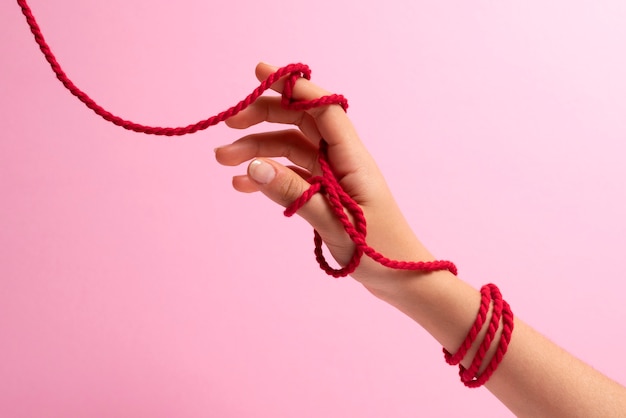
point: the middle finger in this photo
(269, 109)
(290, 144)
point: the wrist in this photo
(438, 301)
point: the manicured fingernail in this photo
(261, 171)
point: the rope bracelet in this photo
(327, 184)
(501, 311)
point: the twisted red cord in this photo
(501, 310)
(327, 183)
(339, 200)
(295, 70)
(505, 339)
(485, 300)
(496, 297)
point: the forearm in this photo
(536, 377)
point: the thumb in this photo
(279, 183)
(284, 186)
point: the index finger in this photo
(331, 120)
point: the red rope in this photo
(503, 345)
(296, 70)
(485, 300)
(325, 183)
(501, 310)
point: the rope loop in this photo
(326, 183)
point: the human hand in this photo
(354, 168)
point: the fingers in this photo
(302, 91)
(283, 186)
(276, 181)
(245, 184)
(269, 109)
(331, 121)
(289, 144)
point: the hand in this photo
(356, 171)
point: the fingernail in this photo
(261, 171)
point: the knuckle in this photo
(318, 112)
(289, 190)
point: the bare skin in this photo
(536, 377)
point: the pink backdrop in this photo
(135, 282)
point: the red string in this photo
(469, 373)
(501, 310)
(325, 183)
(296, 70)
(485, 300)
(505, 339)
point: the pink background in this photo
(135, 282)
